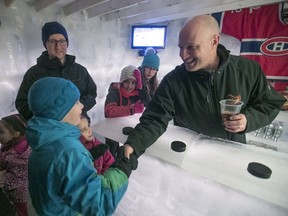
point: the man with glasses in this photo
(54, 62)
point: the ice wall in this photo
(102, 47)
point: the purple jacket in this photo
(15, 161)
(102, 163)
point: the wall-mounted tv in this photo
(148, 36)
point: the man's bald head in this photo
(198, 42)
(202, 23)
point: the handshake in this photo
(123, 163)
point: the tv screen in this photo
(148, 36)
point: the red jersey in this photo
(263, 35)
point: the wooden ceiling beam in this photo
(193, 8)
(80, 5)
(112, 5)
(140, 9)
(42, 4)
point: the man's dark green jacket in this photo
(191, 99)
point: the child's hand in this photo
(138, 106)
(137, 75)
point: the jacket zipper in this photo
(211, 83)
(211, 102)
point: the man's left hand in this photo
(236, 123)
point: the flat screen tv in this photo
(148, 36)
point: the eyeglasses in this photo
(53, 42)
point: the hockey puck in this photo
(259, 170)
(127, 130)
(178, 146)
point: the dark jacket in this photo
(192, 100)
(54, 68)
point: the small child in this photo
(14, 161)
(149, 70)
(62, 177)
(103, 159)
(123, 98)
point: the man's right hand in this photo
(129, 154)
(128, 150)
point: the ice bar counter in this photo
(221, 163)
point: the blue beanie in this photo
(151, 60)
(52, 97)
(53, 28)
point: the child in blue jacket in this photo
(62, 178)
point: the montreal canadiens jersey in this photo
(263, 35)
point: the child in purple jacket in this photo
(103, 159)
(14, 161)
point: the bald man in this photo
(190, 93)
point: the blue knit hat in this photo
(151, 60)
(53, 28)
(52, 97)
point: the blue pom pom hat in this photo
(151, 60)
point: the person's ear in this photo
(215, 40)
(17, 134)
